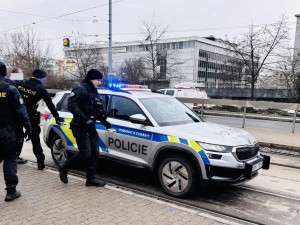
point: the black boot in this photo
(21, 160)
(94, 182)
(63, 173)
(40, 164)
(12, 194)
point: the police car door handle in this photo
(111, 130)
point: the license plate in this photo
(257, 166)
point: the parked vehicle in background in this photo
(187, 90)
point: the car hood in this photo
(210, 133)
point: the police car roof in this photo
(129, 93)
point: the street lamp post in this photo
(110, 44)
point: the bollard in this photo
(202, 108)
(294, 122)
(244, 117)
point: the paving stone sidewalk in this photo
(46, 200)
(276, 139)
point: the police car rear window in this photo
(62, 105)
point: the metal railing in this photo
(245, 104)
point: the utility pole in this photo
(110, 45)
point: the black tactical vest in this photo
(6, 112)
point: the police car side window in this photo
(170, 92)
(122, 108)
(62, 105)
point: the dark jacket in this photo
(85, 104)
(32, 92)
(12, 112)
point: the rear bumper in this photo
(228, 175)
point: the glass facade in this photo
(219, 70)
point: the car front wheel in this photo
(58, 151)
(177, 176)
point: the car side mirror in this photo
(139, 118)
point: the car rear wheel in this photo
(58, 151)
(177, 176)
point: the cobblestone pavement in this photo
(46, 200)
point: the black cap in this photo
(93, 74)
(39, 73)
(3, 70)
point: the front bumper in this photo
(236, 175)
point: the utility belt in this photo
(79, 124)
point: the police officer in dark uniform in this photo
(19, 129)
(33, 91)
(12, 112)
(85, 105)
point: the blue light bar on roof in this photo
(116, 85)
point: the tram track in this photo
(151, 193)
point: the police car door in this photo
(126, 140)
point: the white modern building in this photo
(188, 59)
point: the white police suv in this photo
(159, 132)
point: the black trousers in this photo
(87, 141)
(35, 136)
(19, 139)
(9, 157)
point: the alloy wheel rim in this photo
(59, 151)
(175, 177)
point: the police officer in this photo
(33, 91)
(12, 113)
(85, 105)
(19, 129)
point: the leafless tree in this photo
(86, 57)
(133, 71)
(287, 72)
(161, 58)
(256, 46)
(24, 50)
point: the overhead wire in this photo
(58, 17)
(30, 14)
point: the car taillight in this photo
(46, 115)
(195, 104)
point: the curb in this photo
(280, 146)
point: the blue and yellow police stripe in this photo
(71, 141)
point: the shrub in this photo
(251, 110)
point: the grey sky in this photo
(214, 17)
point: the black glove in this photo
(27, 135)
(59, 121)
(90, 124)
(107, 125)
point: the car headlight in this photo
(215, 148)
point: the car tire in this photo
(177, 176)
(58, 150)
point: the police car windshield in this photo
(169, 111)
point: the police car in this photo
(160, 133)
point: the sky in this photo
(84, 19)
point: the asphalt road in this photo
(273, 197)
(253, 123)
